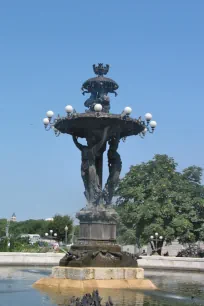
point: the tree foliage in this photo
(29, 227)
(24, 227)
(154, 197)
(38, 227)
(3, 227)
(58, 226)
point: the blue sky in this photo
(47, 48)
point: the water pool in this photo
(176, 288)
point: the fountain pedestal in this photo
(96, 261)
(97, 226)
(96, 246)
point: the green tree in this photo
(4, 245)
(58, 226)
(38, 227)
(194, 192)
(154, 197)
(3, 227)
(29, 227)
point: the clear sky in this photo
(47, 48)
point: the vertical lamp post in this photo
(66, 231)
(7, 232)
(155, 239)
(7, 228)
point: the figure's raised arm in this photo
(77, 144)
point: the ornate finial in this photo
(101, 70)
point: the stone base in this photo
(87, 279)
(86, 286)
(97, 273)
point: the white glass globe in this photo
(148, 116)
(127, 110)
(46, 234)
(161, 237)
(68, 109)
(50, 114)
(156, 234)
(66, 228)
(51, 231)
(153, 124)
(55, 234)
(46, 121)
(98, 107)
(151, 237)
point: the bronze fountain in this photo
(96, 246)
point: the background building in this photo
(49, 219)
(13, 218)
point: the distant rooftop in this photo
(49, 219)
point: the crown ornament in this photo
(101, 70)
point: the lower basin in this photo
(175, 288)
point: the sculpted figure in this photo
(100, 97)
(115, 166)
(88, 167)
(91, 101)
(104, 100)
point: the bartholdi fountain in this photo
(97, 256)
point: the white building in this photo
(13, 218)
(49, 219)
